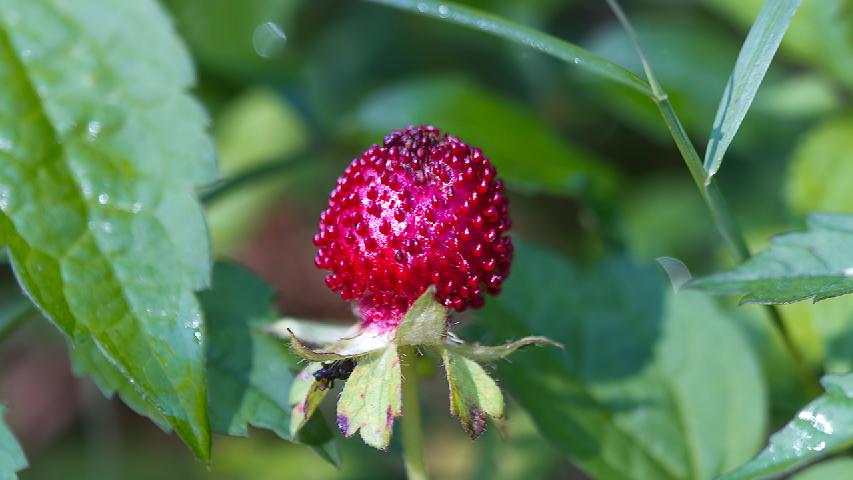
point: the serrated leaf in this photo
(372, 398)
(530, 37)
(822, 168)
(524, 150)
(425, 323)
(306, 393)
(88, 360)
(102, 150)
(815, 264)
(490, 353)
(249, 372)
(639, 391)
(12, 458)
(474, 396)
(825, 426)
(752, 63)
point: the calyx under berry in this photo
(422, 209)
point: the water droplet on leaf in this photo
(268, 39)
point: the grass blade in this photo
(752, 63)
(495, 25)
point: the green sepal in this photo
(314, 333)
(362, 343)
(306, 393)
(372, 398)
(490, 353)
(425, 323)
(474, 395)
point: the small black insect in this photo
(329, 372)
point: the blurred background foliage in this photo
(296, 89)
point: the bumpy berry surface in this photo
(422, 209)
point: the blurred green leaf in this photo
(488, 23)
(257, 127)
(639, 392)
(248, 371)
(821, 34)
(799, 96)
(823, 427)
(228, 37)
(663, 216)
(752, 63)
(14, 309)
(12, 458)
(101, 151)
(830, 323)
(522, 147)
(797, 266)
(834, 469)
(822, 169)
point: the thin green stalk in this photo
(720, 213)
(413, 448)
(255, 174)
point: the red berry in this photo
(422, 209)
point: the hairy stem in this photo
(413, 448)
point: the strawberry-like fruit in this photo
(421, 209)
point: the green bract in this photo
(371, 398)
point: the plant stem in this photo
(413, 448)
(723, 220)
(255, 174)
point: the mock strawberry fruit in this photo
(421, 209)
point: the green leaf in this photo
(425, 323)
(639, 391)
(821, 169)
(823, 427)
(490, 353)
(474, 396)
(752, 63)
(249, 372)
(12, 458)
(372, 398)
(523, 149)
(88, 360)
(492, 24)
(828, 470)
(101, 151)
(820, 35)
(815, 264)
